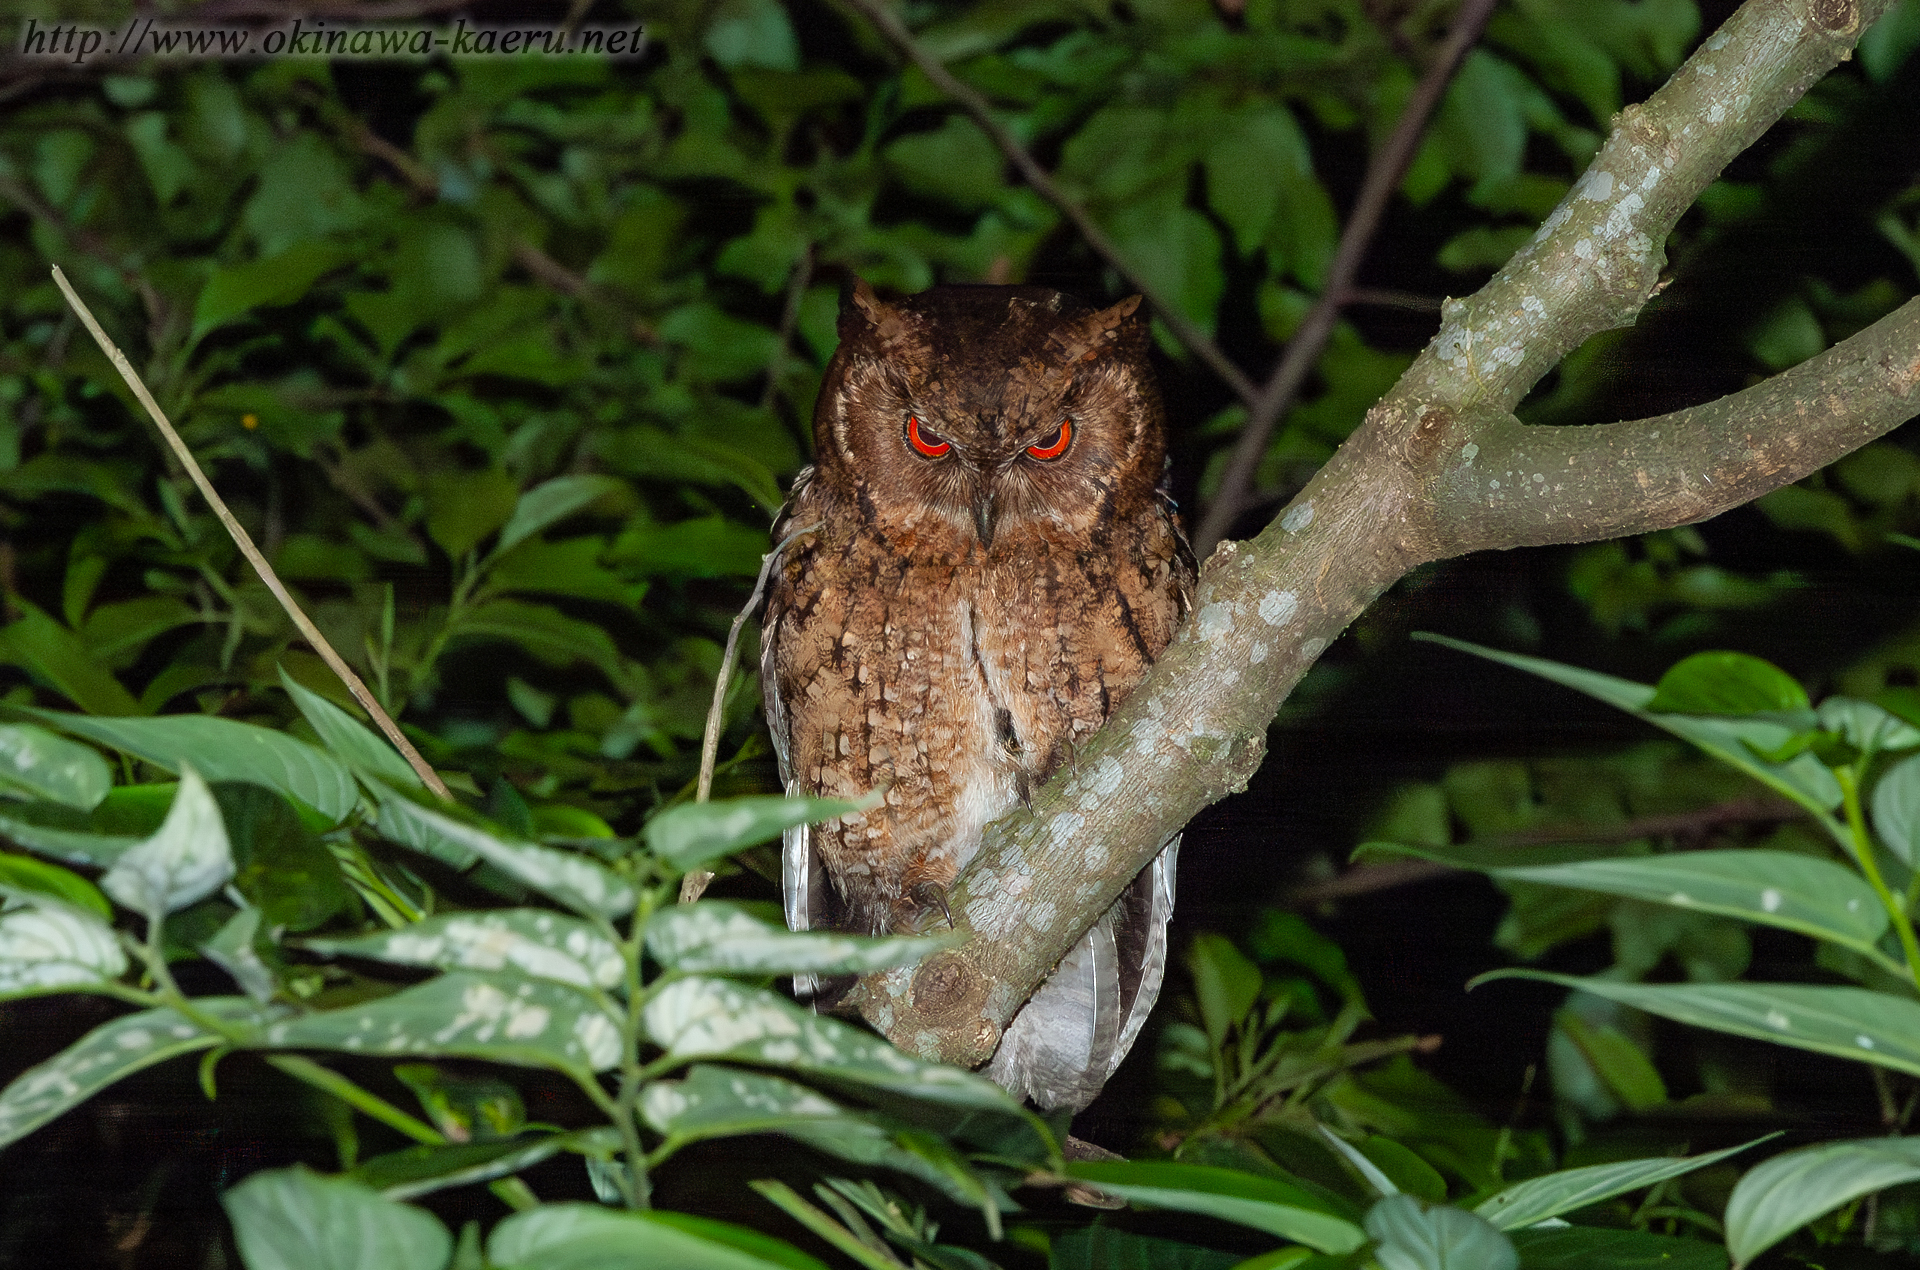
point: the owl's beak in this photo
(984, 514)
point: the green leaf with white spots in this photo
(715, 1018)
(349, 739)
(1783, 1194)
(1774, 888)
(1539, 1198)
(1733, 741)
(222, 750)
(722, 1102)
(34, 763)
(71, 845)
(186, 861)
(1857, 1023)
(581, 884)
(588, 1237)
(717, 937)
(527, 941)
(690, 835)
(108, 1053)
(527, 1022)
(295, 1219)
(54, 948)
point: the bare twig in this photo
(242, 540)
(895, 32)
(693, 885)
(789, 319)
(1303, 350)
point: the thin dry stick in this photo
(694, 884)
(1303, 351)
(1043, 184)
(241, 539)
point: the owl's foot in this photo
(931, 895)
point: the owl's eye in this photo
(931, 444)
(1056, 445)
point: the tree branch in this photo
(1413, 484)
(1384, 171)
(895, 32)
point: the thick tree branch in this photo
(1415, 483)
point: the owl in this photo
(979, 566)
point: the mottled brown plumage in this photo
(982, 565)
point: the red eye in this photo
(1056, 445)
(930, 444)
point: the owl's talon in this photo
(933, 895)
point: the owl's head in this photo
(996, 413)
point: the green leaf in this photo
(23, 877)
(224, 750)
(232, 949)
(704, 547)
(1774, 888)
(1405, 1169)
(34, 763)
(280, 865)
(1869, 1027)
(544, 632)
(465, 1106)
(1225, 983)
(464, 507)
(275, 280)
(186, 861)
(1592, 1248)
(348, 739)
(581, 884)
(54, 948)
(55, 656)
(1866, 726)
(1409, 1237)
(503, 1019)
(692, 834)
(551, 502)
(588, 1237)
(422, 1170)
(113, 1050)
(294, 1219)
(1114, 1248)
(716, 937)
(1778, 1197)
(1726, 683)
(75, 847)
(526, 941)
(1266, 1204)
(954, 162)
(1537, 1199)
(1896, 810)
(1629, 1074)
(752, 33)
(1804, 778)
(696, 1018)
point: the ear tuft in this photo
(861, 306)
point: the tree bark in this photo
(1439, 467)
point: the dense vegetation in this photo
(505, 364)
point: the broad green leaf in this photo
(225, 750)
(275, 280)
(1629, 1074)
(232, 950)
(1866, 726)
(280, 864)
(1726, 683)
(716, 937)
(1774, 888)
(186, 861)
(1537, 1199)
(551, 502)
(1263, 1203)
(704, 547)
(1596, 1248)
(717, 1102)
(1803, 778)
(715, 1018)
(504, 1019)
(588, 1237)
(1896, 809)
(24, 878)
(34, 763)
(527, 941)
(74, 846)
(113, 1050)
(1116, 1248)
(349, 739)
(295, 1219)
(1778, 1197)
(55, 656)
(464, 507)
(690, 835)
(54, 948)
(1871, 1027)
(1409, 1237)
(423, 1169)
(544, 632)
(581, 884)
(1225, 983)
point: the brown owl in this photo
(982, 564)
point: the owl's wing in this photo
(1071, 1035)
